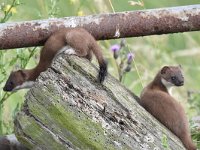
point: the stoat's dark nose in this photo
(7, 89)
(180, 83)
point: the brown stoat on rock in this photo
(83, 44)
(156, 99)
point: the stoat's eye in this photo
(173, 78)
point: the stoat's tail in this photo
(102, 62)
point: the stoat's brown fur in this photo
(10, 142)
(83, 44)
(157, 101)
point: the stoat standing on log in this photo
(83, 44)
(157, 101)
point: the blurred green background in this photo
(151, 52)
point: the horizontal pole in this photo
(104, 26)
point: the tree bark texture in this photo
(104, 26)
(65, 110)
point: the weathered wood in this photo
(65, 110)
(104, 26)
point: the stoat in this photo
(82, 43)
(157, 101)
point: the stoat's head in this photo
(172, 76)
(17, 80)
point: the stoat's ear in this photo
(180, 66)
(164, 69)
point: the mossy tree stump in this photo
(65, 110)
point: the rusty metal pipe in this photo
(104, 26)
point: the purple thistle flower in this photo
(115, 47)
(130, 57)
